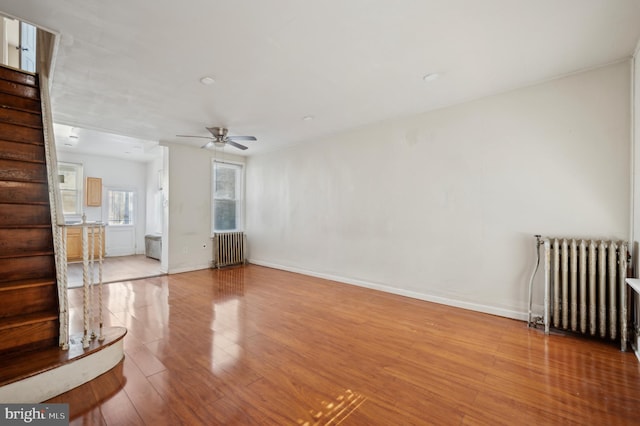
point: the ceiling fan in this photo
(219, 138)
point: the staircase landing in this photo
(36, 376)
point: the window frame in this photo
(108, 206)
(240, 176)
(79, 191)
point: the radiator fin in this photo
(588, 290)
(228, 249)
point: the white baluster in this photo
(85, 288)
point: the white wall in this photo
(636, 186)
(119, 174)
(636, 157)
(189, 207)
(154, 196)
(443, 206)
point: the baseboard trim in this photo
(188, 269)
(493, 310)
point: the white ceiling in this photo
(133, 67)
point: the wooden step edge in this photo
(7, 92)
(19, 70)
(16, 86)
(18, 255)
(27, 226)
(30, 142)
(20, 382)
(20, 320)
(10, 79)
(37, 111)
(24, 180)
(18, 123)
(25, 203)
(22, 284)
(21, 109)
(23, 160)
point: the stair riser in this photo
(28, 300)
(21, 151)
(24, 215)
(28, 293)
(26, 268)
(22, 171)
(18, 102)
(14, 242)
(30, 336)
(19, 89)
(16, 133)
(16, 116)
(17, 77)
(23, 192)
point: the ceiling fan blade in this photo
(207, 145)
(237, 145)
(190, 136)
(241, 138)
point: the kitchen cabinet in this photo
(93, 192)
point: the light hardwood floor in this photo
(257, 346)
(118, 268)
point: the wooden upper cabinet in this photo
(93, 192)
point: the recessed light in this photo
(308, 117)
(431, 76)
(207, 81)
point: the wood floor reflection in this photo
(257, 346)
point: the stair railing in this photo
(90, 231)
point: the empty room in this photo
(318, 213)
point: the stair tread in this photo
(18, 75)
(29, 142)
(19, 320)
(30, 203)
(18, 123)
(21, 109)
(8, 92)
(20, 284)
(23, 160)
(25, 180)
(27, 253)
(29, 363)
(45, 225)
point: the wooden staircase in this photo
(28, 292)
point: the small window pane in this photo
(227, 197)
(70, 184)
(121, 204)
(225, 183)
(225, 215)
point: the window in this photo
(70, 183)
(121, 206)
(227, 197)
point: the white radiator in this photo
(585, 290)
(228, 249)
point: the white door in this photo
(120, 233)
(27, 47)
